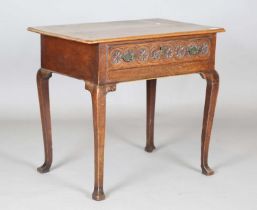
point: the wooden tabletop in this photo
(101, 32)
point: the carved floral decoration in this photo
(167, 51)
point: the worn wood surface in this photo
(69, 58)
(92, 33)
(43, 96)
(87, 52)
(212, 79)
(98, 94)
(150, 110)
(154, 48)
(92, 62)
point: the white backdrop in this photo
(20, 58)
(170, 177)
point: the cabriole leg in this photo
(98, 94)
(43, 95)
(151, 93)
(212, 79)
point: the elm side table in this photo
(104, 54)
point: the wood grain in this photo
(43, 77)
(155, 46)
(150, 106)
(163, 69)
(212, 79)
(84, 51)
(98, 94)
(103, 32)
(69, 58)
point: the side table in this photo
(107, 53)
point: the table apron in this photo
(157, 71)
(159, 58)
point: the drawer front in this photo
(123, 56)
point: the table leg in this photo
(212, 79)
(43, 95)
(151, 93)
(98, 94)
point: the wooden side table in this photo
(104, 54)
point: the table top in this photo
(101, 32)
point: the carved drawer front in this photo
(161, 52)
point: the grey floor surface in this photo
(169, 178)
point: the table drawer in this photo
(123, 56)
